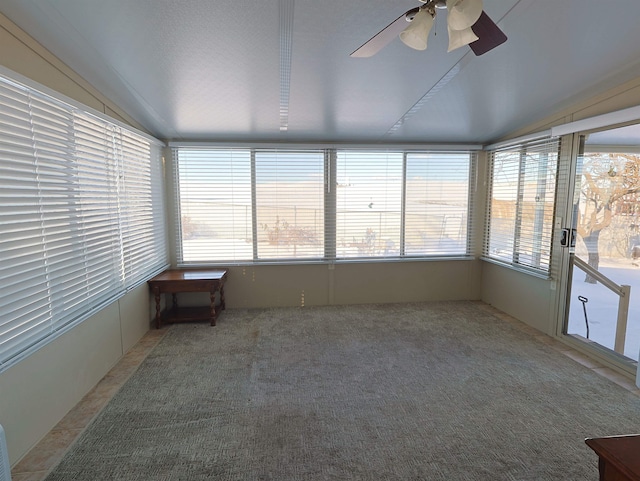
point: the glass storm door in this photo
(603, 283)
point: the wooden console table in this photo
(174, 281)
(619, 457)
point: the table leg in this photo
(602, 468)
(222, 304)
(212, 300)
(174, 301)
(156, 293)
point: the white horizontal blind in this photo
(246, 205)
(83, 244)
(521, 204)
(438, 203)
(214, 205)
(368, 203)
(289, 199)
(25, 301)
(224, 195)
(142, 208)
(60, 212)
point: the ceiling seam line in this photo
(439, 85)
(286, 8)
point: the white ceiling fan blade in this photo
(384, 36)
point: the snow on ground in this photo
(602, 305)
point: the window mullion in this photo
(330, 204)
(254, 206)
(519, 200)
(538, 222)
(403, 205)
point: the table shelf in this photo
(187, 314)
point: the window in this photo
(80, 211)
(289, 204)
(437, 204)
(254, 205)
(369, 204)
(214, 205)
(521, 204)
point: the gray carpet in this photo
(426, 391)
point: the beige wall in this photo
(40, 389)
(525, 297)
(617, 98)
(348, 283)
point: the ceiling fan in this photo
(467, 24)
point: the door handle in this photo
(568, 237)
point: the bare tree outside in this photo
(284, 233)
(610, 184)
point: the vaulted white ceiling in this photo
(280, 70)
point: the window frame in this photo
(542, 232)
(330, 201)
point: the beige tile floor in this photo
(47, 453)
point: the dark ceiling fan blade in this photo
(489, 35)
(384, 36)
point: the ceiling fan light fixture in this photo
(463, 13)
(417, 33)
(466, 22)
(460, 38)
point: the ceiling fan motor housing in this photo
(436, 3)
